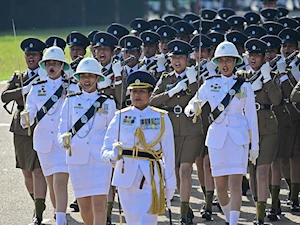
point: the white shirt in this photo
(237, 119)
(128, 69)
(89, 138)
(45, 132)
(36, 71)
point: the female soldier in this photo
(233, 118)
(267, 93)
(145, 140)
(26, 157)
(87, 114)
(44, 103)
(172, 92)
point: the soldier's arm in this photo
(10, 92)
(287, 85)
(295, 95)
(274, 92)
(159, 95)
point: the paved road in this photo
(16, 207)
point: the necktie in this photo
(131, 71)
(32, 73)
(148, 61)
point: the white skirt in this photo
(229, 160)
(54, 161)
(136, 202)
(90, 179)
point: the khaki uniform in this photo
(294, 109)
(188, 135)
(268, 96)
(295, 95)
(26, 157)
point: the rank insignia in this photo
(242, 93)
(129, 120)
(215, 88)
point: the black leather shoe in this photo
(294, 206)
(202, 210)
(181, 222)
(215, 201)
(272, 215)
(258, 222)
(75, 206)
(36, 221)
(207, 215)
(190, 216)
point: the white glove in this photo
(104, 84)
(68, 73)
(253, 155)
(281, 66)
(211, 68)
(117, 69)
(161, 60)
(26, 88)
(191, 74)
(143, 68)
(190, 110)
(180, 86)
(257, 84)
(24, 115)
(169, 193)
(112, 155)
(245, 59)
(295, 70)
(265, 71)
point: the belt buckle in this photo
(257, 106)
(177, 109)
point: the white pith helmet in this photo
(227, 48)
(88, 65)
(54, 53)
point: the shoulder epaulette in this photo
(74, 94)
(166, 74)
(214, 76)
(124, 110)
(40, 82)
(159, 110)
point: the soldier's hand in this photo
(104, 84)
(281, 66)
(109, 156)
(191, 74)
(253, 155)
(265, 71)
(161, 60)
(24, 119)
(257, 84)
(180, 86)
(117, 68)
(211, 68)
(295, 70)
(190, 110)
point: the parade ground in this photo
(16, 206)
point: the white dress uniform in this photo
(89, 174)
(228, 136)
(52, 157)
(136, 195)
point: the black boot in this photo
(272, 215)
(36, 221)
(190, 216)
(294, 206)
(75, 206)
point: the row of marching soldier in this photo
(146, 106)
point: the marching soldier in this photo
(84, 119)
(172, 93)
(43, 104)
(288, 80)
(26, 158)
(91, 39)
(55, 41)
(78, 44)
(267, 94)
(233, 123)
(110, 83)
(138, 139)
(139, 25)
